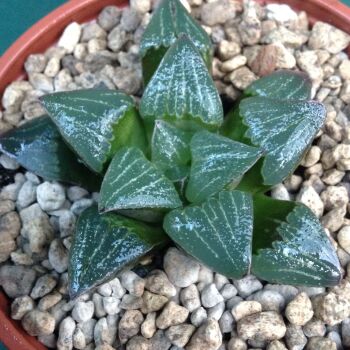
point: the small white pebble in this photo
(70, 37)
(210, 296)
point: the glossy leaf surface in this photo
(104, 244)
(38, 146)
(168, 22)
(170, 145)
(95, 123)
(282, 85)
(218, 233)
(283, 130)
(216, 162)
(182, 91)
(291, 246)
(133, 182)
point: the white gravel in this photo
(184, 304)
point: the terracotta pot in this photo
(45, 32)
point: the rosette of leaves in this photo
(169, 21)
(194, 177)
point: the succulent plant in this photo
(174, 168)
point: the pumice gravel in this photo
(179, 304)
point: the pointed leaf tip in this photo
(170, 145)
(283, 129)
(104, 244)
(95, 123)
(169, 21)
(282, 85)
(133, 182)
(194, 99)
(216, 162)
(295, 248)
(218, 233)
(38, 146)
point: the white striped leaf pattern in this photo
(216, 162)
(104, 244)
(38, 146)
(218, 233)
(283, 130)
(133, 182)
(283, 85)
(170, 146)
(181, 90)
(290, 245)
(95, 123)
(168, 22)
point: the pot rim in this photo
(37, 39)
(45, 33)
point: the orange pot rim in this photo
(45, 33)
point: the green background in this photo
(18, 15)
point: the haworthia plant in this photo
(282, 85)
(170, 148)
(218, 232)
(181, 167)
(217, 162)
(283, 129)
(39, 147)
(96, 123)
(133, 182)
(170, 145)
(298, 252)
(104, 244)
(169, 21)
(182, 91)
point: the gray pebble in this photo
(44, 285)
(270, 300)
(198, 316)
(58, 256)
(16, 281)
(65, 334)
(51, 196)
(189, 297)
(210, 296)
(83, 311)
(247, 285)
(295, 338)
(20, 306)
(109, 17)
(37, 322)
(181, 269)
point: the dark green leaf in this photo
(283, 130)
(282, 85)
(146, 215)
(216, 162)
(170, 145)
(253, 180)
(151, 61)
(234, 128)
(38, 146)
(133, 182)
(218, 233)
(168, 22)
(104, 244)
(290, 245)
(182, 91)
(179, 176)
(171, 153)
(96, 123)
